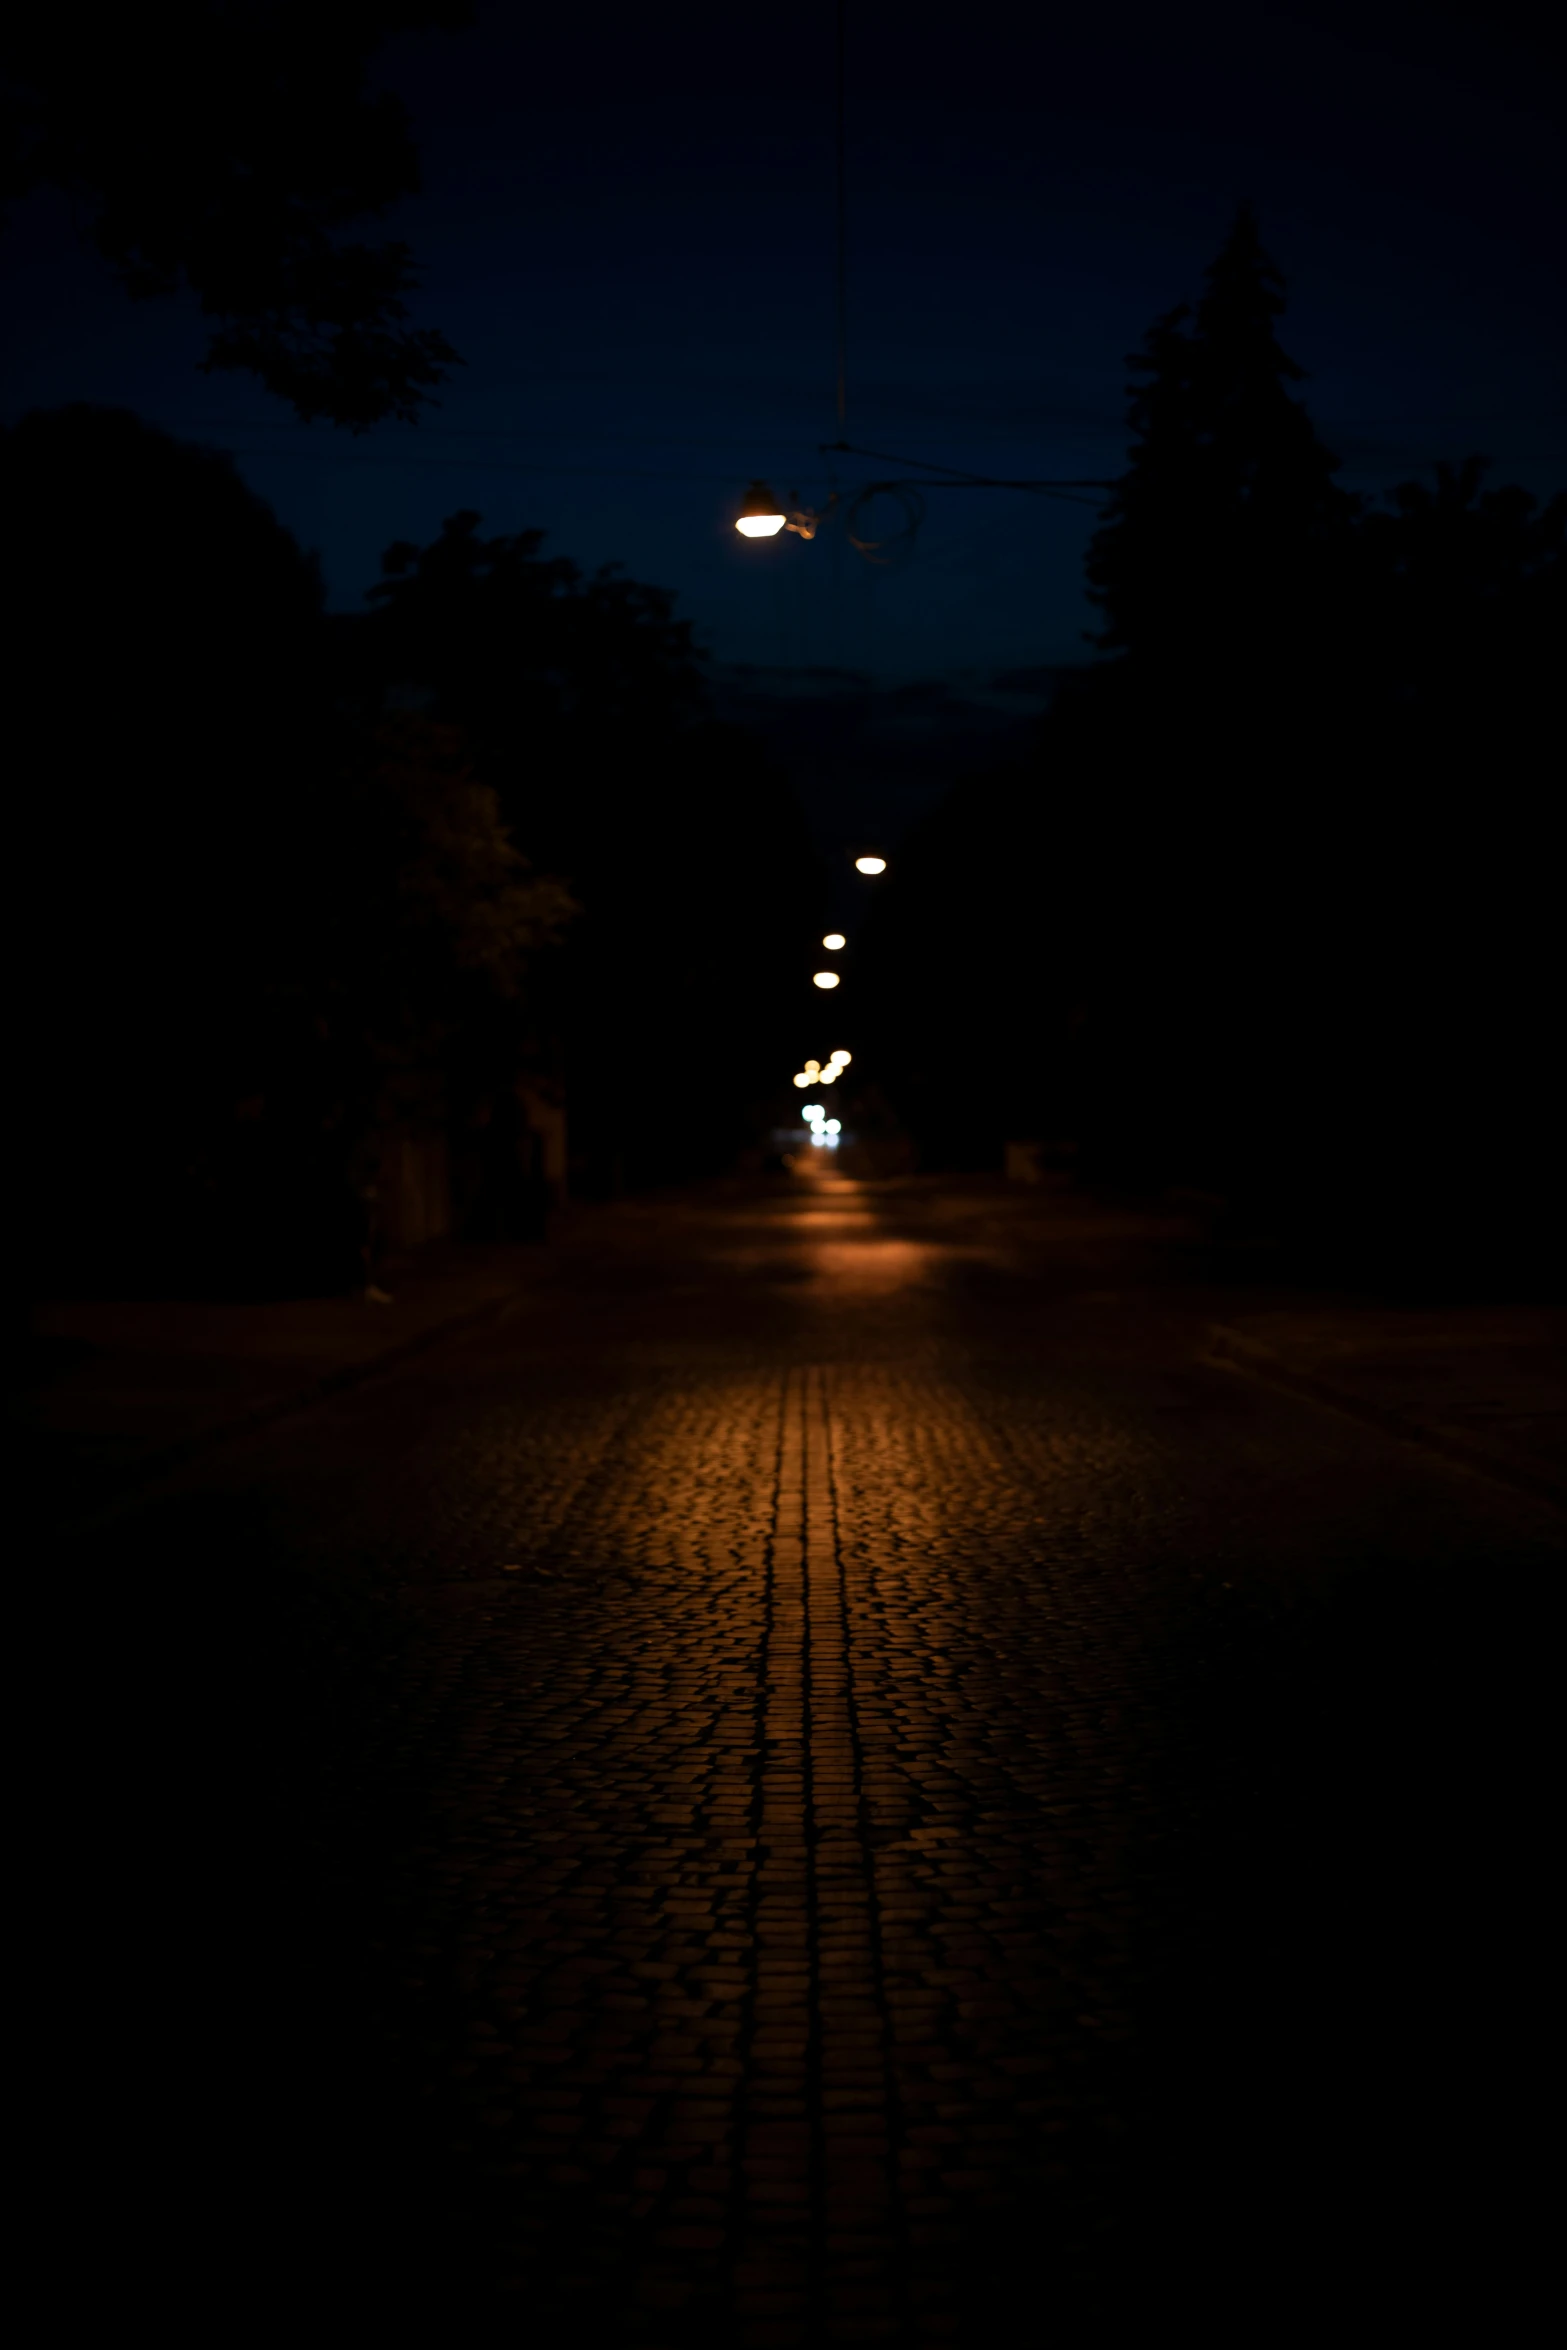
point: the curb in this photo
(134, 1480)
(1236, 1352)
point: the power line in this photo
(959, 479)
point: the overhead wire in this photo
(959, 474)
(897, 545)
(843, 237)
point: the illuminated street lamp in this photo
(841, 1060)
(834, 940)
(824, 978)
(763, 516)
(870, 864)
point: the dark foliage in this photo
(582, 699)
(228, 149)
(271, 907)
(1222, 545)
(1269, 916)
(255, 933)
(162, 631)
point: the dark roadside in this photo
(117, 1393)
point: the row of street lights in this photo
(824, 1130)
(816, 1073)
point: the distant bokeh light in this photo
(824, 978)
(870, 864)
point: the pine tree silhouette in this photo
(1138, 561)
(1219, 550)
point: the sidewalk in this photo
(118, 1393)
(1486, 1386)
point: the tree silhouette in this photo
(581, 698)
(1464, 593)
(256, 932)
(403, 983)
(1221, 538)
(1223, 573)
(228, 148)
(522, 644)
(1271, 913)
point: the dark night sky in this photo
(627, 232)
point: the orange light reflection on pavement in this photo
(845, 1249)
(860, 1268)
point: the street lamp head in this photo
(834, 940)
(824, 978)
(761, 517)
(870, 864)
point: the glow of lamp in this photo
(834, 940)
(760, 517)
(870, 864)
(824, 978)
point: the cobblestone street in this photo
(832, 1776)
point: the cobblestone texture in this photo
(838, 1785)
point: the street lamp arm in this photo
(806, 521)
